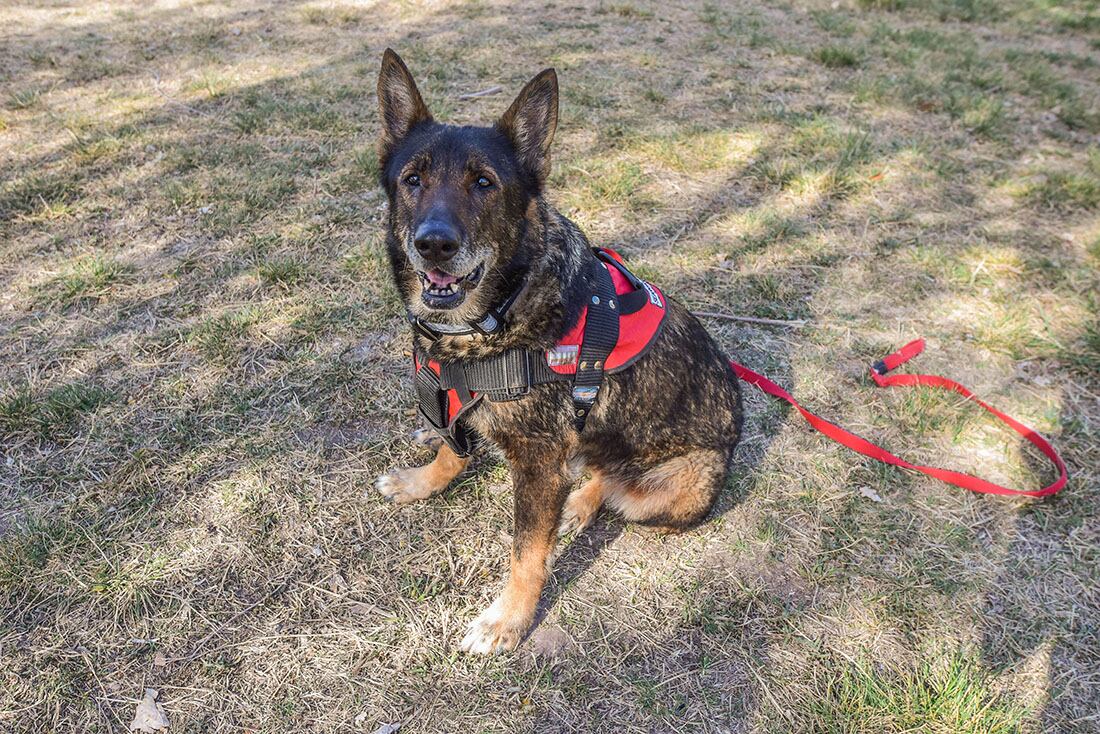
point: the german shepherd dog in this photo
(468, 225)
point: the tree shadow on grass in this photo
(1041, 618)
(722, 645)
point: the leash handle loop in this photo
(862, 446)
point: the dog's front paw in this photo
(405, 485)
(494, 631)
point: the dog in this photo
(491, 273)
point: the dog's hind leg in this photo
(418, 483)
(583, 503)
(676, 494)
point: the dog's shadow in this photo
(582, 550)
(575, 559)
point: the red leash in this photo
(865, 447)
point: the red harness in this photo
(642, 311)
(617, 326)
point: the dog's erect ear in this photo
(531, 120)
(400, 106)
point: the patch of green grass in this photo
(219, 338)
(835, 22)
(984, 116)
(1039, 79)
(49, 415)
(24, 99)
(38, 193)
(947, 72)
(601, 182)
(27, 548)
(617, 182)
(952, 695)
(820, 156)
(1093, 249)
(686, 151)
(211, 84)
(882, 4)
(1084, 355)
(1065, 190)
(282, 273)
(288, 109)
(967, 11)
(129, 586)
(837, 57)
(90, 149)
(745, 25)
(89, 278)
(1073, 16)
(766, 228)
(334, 15)
(233, 198)
(625, 10)
(362, 171)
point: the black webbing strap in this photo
(601, 333)
(430, 397)
(433, 403)
(501, 378)
(507, 376)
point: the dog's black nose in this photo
(436, 241)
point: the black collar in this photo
(490, 323)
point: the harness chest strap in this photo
(595, 345)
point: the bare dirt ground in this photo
(202, 367)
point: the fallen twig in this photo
(793, 323)
(482, 93)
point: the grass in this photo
(89, 278)
(837, 57)
(951, 695)
(203, 365)
(1068, 189)
(52, 414)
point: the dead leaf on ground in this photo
(548, 641)
(149, 717)
(870, 494)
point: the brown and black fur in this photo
(658, 444)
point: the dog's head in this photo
(460, 197)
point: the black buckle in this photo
(880, 368)
(520, 360)
(487, 324)
(584, 397)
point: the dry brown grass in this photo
(201, 368)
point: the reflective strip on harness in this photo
(637, 328)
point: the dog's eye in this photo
(412, 179)
(484, 182)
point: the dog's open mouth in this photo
(442, 290)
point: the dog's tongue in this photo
(441, 279)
